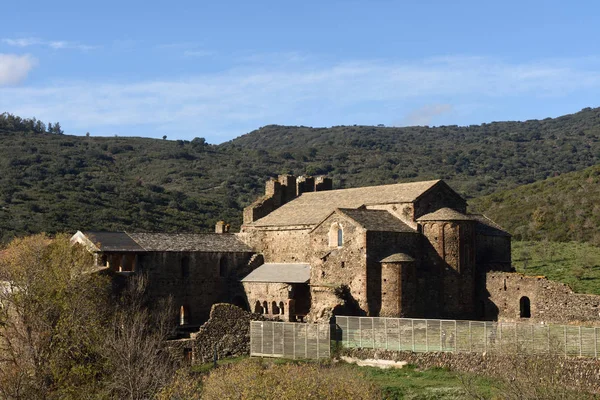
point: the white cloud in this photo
(240, 99)
(54, 44)
(15, 68)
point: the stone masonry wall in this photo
(209, 279)
(333, 266)
(279, 245)
(550, 302)
(571, 372)
(227, 330)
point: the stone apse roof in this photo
(312, 207)
(155, 242)
(280, 273)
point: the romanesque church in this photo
(306, 252)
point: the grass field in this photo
(408, 382)
(576, 264)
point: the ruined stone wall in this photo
(279, 244)
(198, 283)
(227, 331)
(576, 373)
(438, 197)
(550, 302)
(333, 266)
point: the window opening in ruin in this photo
(184, 315)
(223, 267)
(187, 355)
(185, 267)
(258, 308)
(343, 265)
(525, 307)
(265, 307)
(274, 308)
(281, 308)
(340, 237)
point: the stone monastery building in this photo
(306, 252)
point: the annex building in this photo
(306, 252)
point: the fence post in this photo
(306, 341)
(485, 336)
(386, 336)
(399, 336)
(412, 326)
(532, 338)
(595, 342)
(565, 330)
(318, 341)
(500, 335)
(294, 340)
(470, 338)
(360, 332)
(441, 331)
(516, 338)
(548, 334)
(426, 336)
(580, 349)
(273, 341)
(372, 332)
(262, 338)
(455, 337)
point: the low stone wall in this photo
(227, 330)
(550, 302)
(569, 372)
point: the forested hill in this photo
(563, 208)
(53, 182)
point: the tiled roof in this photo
(445, 214)
(376, 220)
(143, 242)
(204, 242)
(398, 257)
(112, 241)
(311, 208)
(487, 227)
(280, 273)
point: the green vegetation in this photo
(563, 208)
(576, 264)
(56, 183)
(408, 382)
(411, 382)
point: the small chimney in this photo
(221, 227)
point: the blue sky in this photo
(218, 70)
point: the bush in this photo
(254, 379)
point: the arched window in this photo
(281, 308)
(223, 267)
(184, 315)
(525, 307)
(258, 308)
(185, 267)
(336, 235)
(274, 308)
(265, 307)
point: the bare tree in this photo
(135, 346)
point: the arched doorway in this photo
(525, 307)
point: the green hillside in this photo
(52, 182)
(563, 208)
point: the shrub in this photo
(255, 379)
